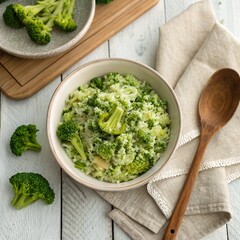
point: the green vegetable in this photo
(41, 17)
(30, 187)
(24, 138)
(64, 20)
(137, 167)
(105, 149)
(110, 124)
(124, 127)
(10, 18)
(68, 132)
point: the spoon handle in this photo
(180, 208)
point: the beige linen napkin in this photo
(192, 47)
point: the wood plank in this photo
(30, 75)
(234, 224)
(38, 221)
(84, 213)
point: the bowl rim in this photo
(60, 49)
(116, 187)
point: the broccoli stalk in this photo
(110, 124)
(24, 138)
(64, 19)
(25, 13)
(68, 132)
(39, 27)
(30, 187)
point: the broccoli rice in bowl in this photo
(115, 128)
(113, 123)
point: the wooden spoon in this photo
(216, 106)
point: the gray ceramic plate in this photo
(18, 43)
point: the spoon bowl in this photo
(219, 98)
(217, 104)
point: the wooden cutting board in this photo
(21, 78)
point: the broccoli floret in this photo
(92, 124)
(39, 32)
(10, 18)
(64, 20)
(93, 101)
(40, 28)
(103, 1)
(136, 167)
(132, 119)
(30, 187)
(106, 150)
(40, 18)
(24, 138)
(110, 123)
(69, 132)
(144, 137)
(97, 82)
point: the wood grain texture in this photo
(234, 224)
(38, 221)
(84, 213)
(27, 76)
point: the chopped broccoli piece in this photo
(143, 136)
(137, 167)
(80, 165)
(10, 18)
(24, 138)
(64, 19)
(30, 187)
(110, 124)
(69, 132)
(150, 123)
(97, 82)
(106, 150)
(93, 101)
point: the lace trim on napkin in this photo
(174, 173)
(233, 177)
(188, 137)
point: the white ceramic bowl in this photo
(81, 76)
(18, 43)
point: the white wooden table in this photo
(78, 212)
